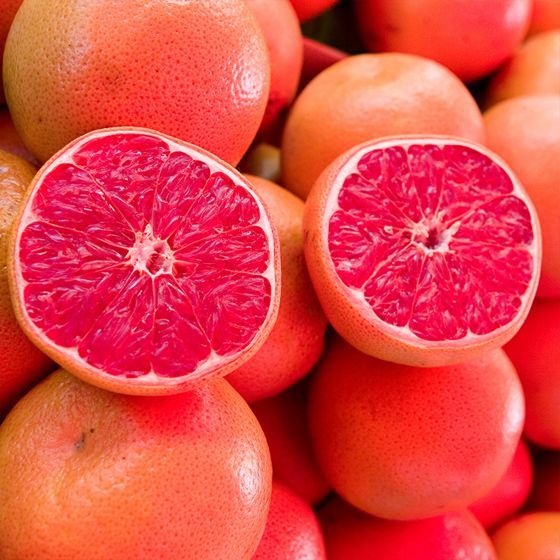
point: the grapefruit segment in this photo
(422, 249)
(141, 263)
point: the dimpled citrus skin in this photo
(535, 352)
(91, 474)
(546, 16)
(292, 530)
(510, 493)
(533, 70)
(308, 9)
(533, 536)
(283, 419)
(9, 138)
(21, 363)
(370, 96)
(296, 341)
(8, 9)
(282, 33)
(468, 36)
(525, 131)
(405, 442)
(195, 70)
(350, 534)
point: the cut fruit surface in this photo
(422, 250)
(141, 262)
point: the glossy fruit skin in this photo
(525, 132)
(535, 352)
(296, 340)
(348, 318)
(369, 96)
(351, 534)
(533, 536)
(510, 493)
(364, 421)
(21, 363)
(467, 36)
(7, 14)
(533, 70)
(280, 26)
(545, 493)
(283, 419)
(292, 529)
(186, 476)
(316, 58)
(546, 16)
(308, 9)
(195, 70)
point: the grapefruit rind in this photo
(150, 383)
(347, 308)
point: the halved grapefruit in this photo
(140, 262)
(423, 250)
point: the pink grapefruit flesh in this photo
(141, 262)
(422, 250)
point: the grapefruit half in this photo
(423, 250)
(140, 262)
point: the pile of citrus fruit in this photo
(280, 280)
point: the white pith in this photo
(357, 297)
(138, 257)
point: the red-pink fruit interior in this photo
(435, 239)
(143, 259)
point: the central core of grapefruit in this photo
(143, 259)
(436, 240)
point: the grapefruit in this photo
(7, 14)
(533, 536)
(370, 96)
(292, 530)
(403, 442)
(196, 70)
(316, 58)
(283, 419)
(141, 263)
(350, 534)
(280, 27)
(91, 474)
(309, 9)
(21, 363)
(546, 16)
(471, 37)
(296, 341)
(525, 131)
(510, 493)
(545, 493)
(535, 351)
(533, 70)
(9, 138)
(422, 250)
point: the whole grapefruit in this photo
(91, 474)
(368, 96)
(282, 33)
(525, 131)
(406, 443)
(351, 534)
(292, 530)
(533, 536)
(7, 14)
(21, 363)
(533, 70)
(535, 351)
(196, 70)
(546, 16)
(470, 37)
(509, 495)
(296, 341)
